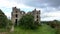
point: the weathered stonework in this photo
(17, 14)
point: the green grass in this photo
(44, 29)
(3, 29)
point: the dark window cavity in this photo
(15, 21)
(16, 15)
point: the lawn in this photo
(44, 29)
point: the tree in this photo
(4, 22)
(3, 19)
(57, 27)
(27, 22)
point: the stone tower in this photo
(36, 14)
(16, 14)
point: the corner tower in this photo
(15, 15)
(36, 14)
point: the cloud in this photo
(50, 16)
(35, 3)
(50, 9)
(54, 3)
(6, 6)
(47, 5)
(43, 3)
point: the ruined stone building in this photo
(16, 14)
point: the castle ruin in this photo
(16, 14)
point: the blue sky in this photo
(50, 9)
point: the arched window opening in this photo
(16, 15)
(37, 16)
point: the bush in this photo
(27, 22)
(4, 21)
(9, 25)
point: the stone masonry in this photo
(16, 14)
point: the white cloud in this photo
(46, 16)
(6, 3)
(51, 16)
(9, 4)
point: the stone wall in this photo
(16, 14)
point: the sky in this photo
(50, 9)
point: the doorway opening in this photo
(15, 21)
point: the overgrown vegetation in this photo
(44, 29)
(27, 22)
(4, 21)
(54, 24)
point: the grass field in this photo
(44, 29)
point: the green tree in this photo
(3, 19)
(4, 22)
(27, 22)
(57, 27)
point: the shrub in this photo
(27, 22)
(4, 21)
